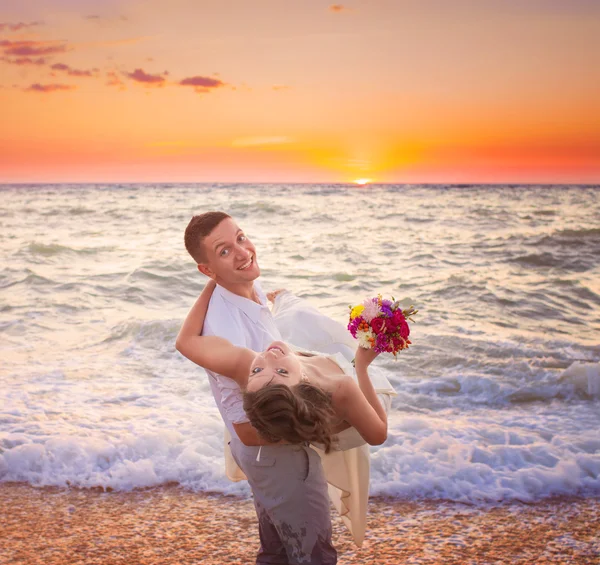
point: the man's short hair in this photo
(200, 227)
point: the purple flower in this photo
(381, 343)
(353, 325)
(386, 309)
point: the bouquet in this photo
(381, 324)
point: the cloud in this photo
(19, 26)
(45, 88)
(149, 80)
(114, 80)
(280, 87)
(106, 19)
(337, 8)
(24, 61)
(259, 141)
(202, 84)
(32, 48)
(71, 71)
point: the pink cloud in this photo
(19, 26)
(114, 80)
(37, 87)
(24, 61)
(72, 72)
(32, 48)
(337, 8)
(151, 80)
(202, 84)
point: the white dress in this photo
(347, 469)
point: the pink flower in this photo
(371, 309)
(390, 325)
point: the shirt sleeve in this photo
(230, 393)
(232, 400)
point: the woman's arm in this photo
(359, 404)
(211, 352)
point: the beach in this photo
(169, 525)
(497, 413)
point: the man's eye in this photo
(256, 370)
(224, 252)
(281, 371)
(242, 238)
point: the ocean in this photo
(499, 395)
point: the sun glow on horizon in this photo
(362, 182)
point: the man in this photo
(288, 483)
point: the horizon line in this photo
(350, 183)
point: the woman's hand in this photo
(364, 357)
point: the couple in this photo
(298, 416)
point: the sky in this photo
(394, 91)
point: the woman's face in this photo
(277, 365)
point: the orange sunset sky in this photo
(487, 91)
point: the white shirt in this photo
(245, 324)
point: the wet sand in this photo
(169, 525)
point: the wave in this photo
(475, 463)
(120, 463)
(580, 382)
(261, 208)
(53, 249)
(74, 211)
(565, 261)
(148, 333)
(424, 457)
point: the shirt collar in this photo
(249, 307)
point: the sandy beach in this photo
(169, 525)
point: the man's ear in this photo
(206, 270)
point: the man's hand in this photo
(271, 296)
(248, 434)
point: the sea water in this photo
(498, 397)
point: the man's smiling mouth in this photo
(246, 265)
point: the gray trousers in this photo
(292, 503)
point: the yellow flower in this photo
(356, 311)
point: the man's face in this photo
(231, 257)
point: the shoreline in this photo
(169, 525)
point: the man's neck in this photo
(245, 290)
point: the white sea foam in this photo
(585, 377)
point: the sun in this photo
(362, 182)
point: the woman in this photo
(294, 396)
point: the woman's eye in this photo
(224, 252)
(242, 238)
(256, 370)
(281, 371)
